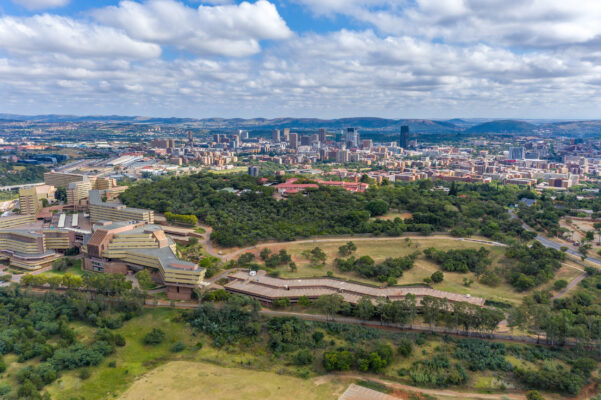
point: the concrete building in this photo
(352, 138)
(293, 141)
(516, 153)
(266, 289)
(106, 211)
(61, 179)
(77, 191)
(254, 170)
(16, 220)
(123, 247)
(275, 135)
(322, 135)
(33, 248)
(30, 199)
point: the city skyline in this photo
(301, 58)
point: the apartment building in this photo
(107, 211)
(123, 247)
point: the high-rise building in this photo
(190, 139)
(292, 140)
(243, 134)
(275, 135)
(77, 191)
(516, 153)
(352, 137)
(322, 135)
(254, 170)
(342, 156)
(286, 134)
(404, 137)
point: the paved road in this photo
(552, 244)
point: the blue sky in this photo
(303, 58)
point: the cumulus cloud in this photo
(41, 4)
(55, 34)
(230, 30)
(528, 24)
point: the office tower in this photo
(190, 139)
(342, 156)
(292, 140)
(404, 137)
(322, 135)
(275, 135)
(243, 134)
(367, 144)
(305, 140)
(286, 134)
(516, 153)
(254, 170)
(235, 141)
(352, 137)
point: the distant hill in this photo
(502, 126)
(373, 125)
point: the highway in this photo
(552, 244)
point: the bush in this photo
(84, 374)
(534, 395)
(405, 347)
(177, 347)
(560, 284)
(154, 337)
(303, 357)
(437, 277)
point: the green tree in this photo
(365, 308)
(437, 277)
(144, 279)
(329, 304)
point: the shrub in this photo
(405, 347)
(560, 284)
(534, 395)
(154, 337)
(84, 374)
(437, 277)
(303, 357)
(177, 347)
(304, 301)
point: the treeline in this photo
(181, 218)
(39, 326)
(17, 174)
(253, 214)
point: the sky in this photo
(431, 59)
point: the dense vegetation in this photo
(253, 214)
(39, 327)
(391, 268)
(15, 174)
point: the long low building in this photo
(12, 221)
(123, 247)
(106, 211)
(267, 289)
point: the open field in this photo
(197, 380)
(380, 249)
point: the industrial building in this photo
(123, 247)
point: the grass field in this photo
(379, 250)
(197, 380)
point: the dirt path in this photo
(432, 392)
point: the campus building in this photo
(106, 211)
(30, 199)
(33, 248)
(267, 289)
(61, 179)
(77, 191)
(16, 220)
(123, 247)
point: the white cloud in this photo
(231, 30)
(54, 34)
(41, 4)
